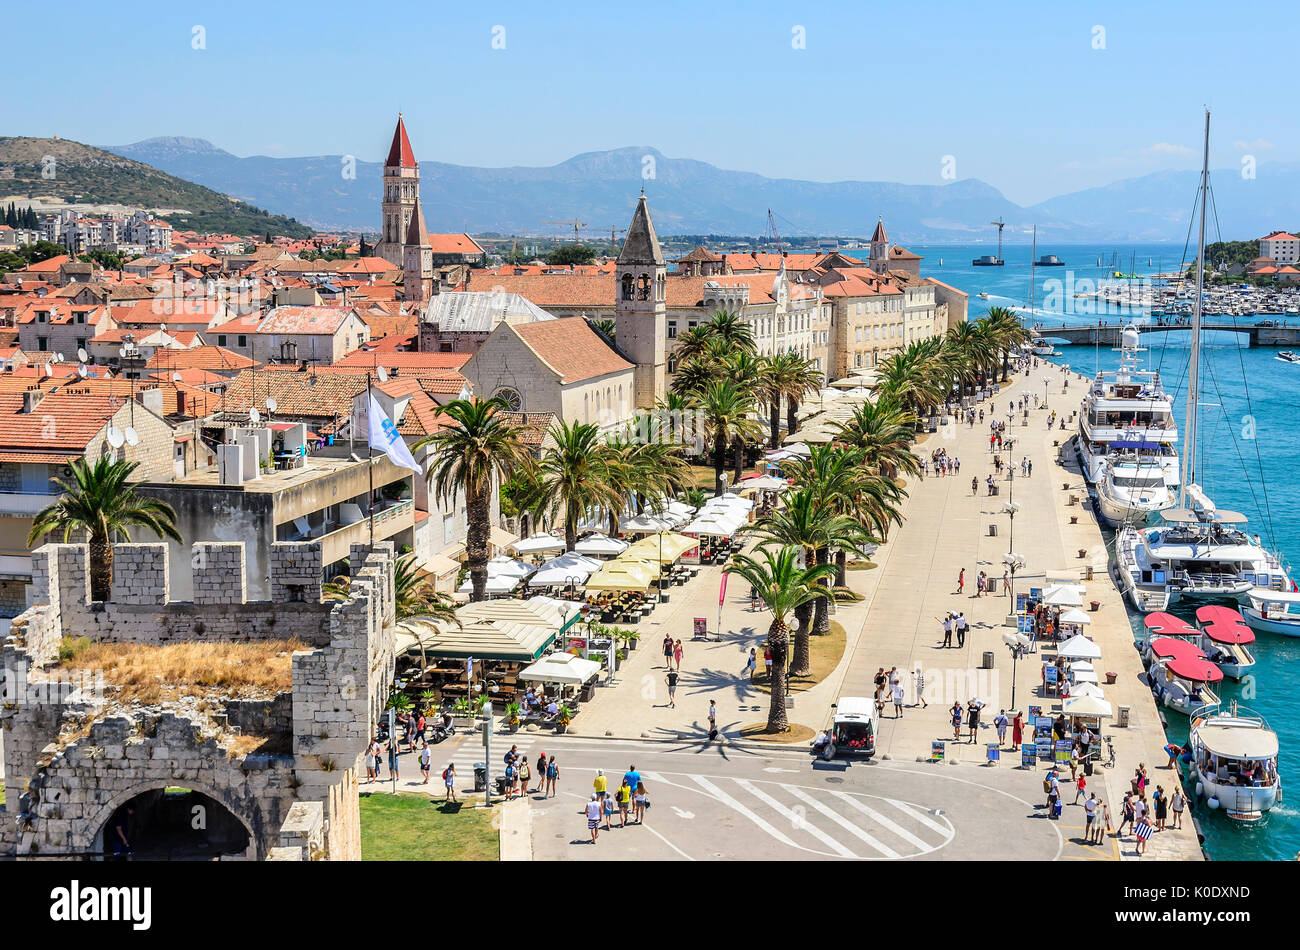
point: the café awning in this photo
(1079, 647)
(571, 568)
(538, 544)
(622, 575)
(1082, 704)
(666, 547)
(508, 630)
(563, 668)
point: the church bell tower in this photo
(401, 195)
(640, 307)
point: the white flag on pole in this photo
(384, 436)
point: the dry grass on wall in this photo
(150, 674)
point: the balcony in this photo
(15, 566)
(22, 504)
(337, 540)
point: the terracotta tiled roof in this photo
(199, 357)
(304, 320)
(178, 399)
(297, 394)
(399, 153)
(403, 360)
(570, 347)
(1280, 236)
(701, 253)
(60, 422)
(454, 244)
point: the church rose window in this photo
(514, 402)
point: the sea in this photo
(1249, 421)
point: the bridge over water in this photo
(1108, 334)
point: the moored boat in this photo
(1234, 761)
(1180, 675)
(1225, 639)
(1272, 611)
(1131, 489)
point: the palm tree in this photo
(479, 450)
(574, 475)
(969, 348)
(768, 389)
(727, 412)
(733, 331)
(692, 343)
(101, 501)
(1010, 331)
(915, 378)
(884, 434)
(693, 376)
(605, 326)
(806, 521)
(745, 371)
(783, 586)
(797, 378)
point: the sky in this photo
(1036, 99)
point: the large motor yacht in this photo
(1131, 489)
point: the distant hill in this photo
(83, 173)
(600, 187)
(695, 197)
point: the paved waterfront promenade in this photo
(897, 622)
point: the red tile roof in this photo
(199, 357)
(400, 152)
(570, 347)
(59, 423)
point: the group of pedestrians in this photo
(944, 463)
(970, 715)
(956, 622)
(629, 798)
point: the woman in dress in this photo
(677, 653)
(1017, 731)
(1162, 807)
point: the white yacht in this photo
(1131, 489)
(1272, 611)
(1200, 551)
(1127, 412)
(1043, 348)
(1234, 761)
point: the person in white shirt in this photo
(1090, 817)
(593, 817)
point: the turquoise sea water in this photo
(1250, 463)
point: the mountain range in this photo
(332, 192)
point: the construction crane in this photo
(613, 234)
(772, 231)
(999, 224)
(575, 224)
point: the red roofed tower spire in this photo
(400, 153)
(401, 195)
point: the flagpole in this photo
(370, 465)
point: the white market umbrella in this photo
(644, 524)
(716, 526)
(1062, 597)
(600, 545)
(1080, 705)
(563, 668)
(765, 483)
(731, 498)
(509, 567)
(496, 584)
(571, 568)
(1079, 647)
(1075, 616)
(539, 543)
(1087, 689)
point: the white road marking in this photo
(683, 814)
(880, 819)
(772, 768)
(796, 821)
(907, 808)
(727, 800)
(842, 821)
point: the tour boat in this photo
(1288, 356)
(1224, 639)
(1043, 348)
(1200, 551)
(1131, 489)
(1272, 611)
(1128, 412)
(984, 295)
(1163, 625)
(1180, 675)
(1234, 761)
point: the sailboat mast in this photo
(1033, 260)
(1193, 366)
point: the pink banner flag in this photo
(722, 591)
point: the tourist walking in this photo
(668, 652)
(1178, 802)
(1161, 802)
(955, 713)
(677, 653)
(1090, 809)
(671, 680)
(1142, 828)
(600, 784)
(393, 749)
(1006, 583)
(1000, 723)
(607, 809)
(973, 719)
(624, 796)
(1125, 814)
(449, 780)
(979, 584)
(1080, 786)
(424, 763)
(920, 688)
(552, 774)
(713, 719)
(961, 628)
(639, 802)
(593, 817)
(961, 580)
(751, 664)
(372, 761)
(898, 701)
(1017, 730)
(947, 630)
(767, 663)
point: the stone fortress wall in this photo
(73, 755)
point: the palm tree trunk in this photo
(774, 421)
(791, 411)
(1006, 364)
(841, 568)
(737, 460)
(778, 642)
(801, 658)
(101, 567)
(570, 531)
(821, 611)
(719, 461)
(478, 522)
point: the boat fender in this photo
(1200, 789)
(1196, 722)
(1213, 803)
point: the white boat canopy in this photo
(563, 668)
(1079, 647)
(1188, 516)
(1237, 741)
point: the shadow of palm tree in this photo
(712, 680)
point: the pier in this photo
(1109, 334)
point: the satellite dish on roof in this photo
(115, 438)
(58, 357)
(121, 351)
(49, 370)
(81, 355)
(81, 371)
(176, 377)
(382, 374)
(162, 327)
(132, 437)
(271, 404)
(254, 415)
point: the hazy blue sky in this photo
(1015, 93)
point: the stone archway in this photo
(182, 822)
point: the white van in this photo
(853, 729)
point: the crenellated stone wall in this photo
(73, 756)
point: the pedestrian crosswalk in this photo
(850, 825)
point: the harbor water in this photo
(1247, 459)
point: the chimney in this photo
(32, 398)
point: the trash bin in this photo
(993, 531)
(988, 660)
(480, 776)
(1122, 719)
